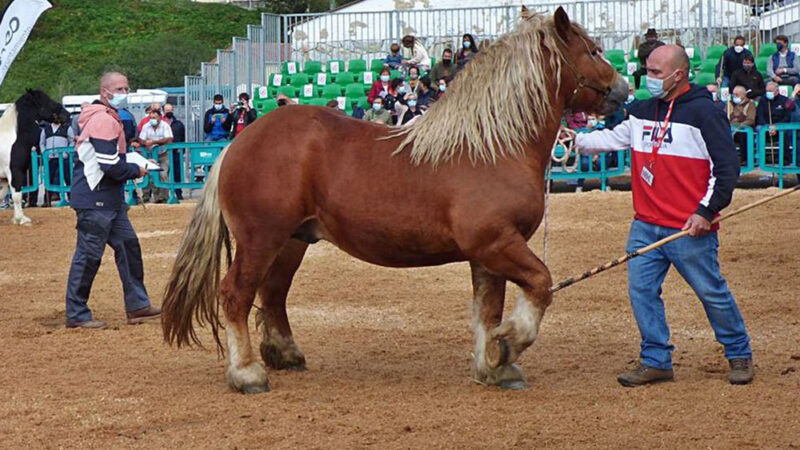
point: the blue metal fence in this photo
(772, 149)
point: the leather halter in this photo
(582, 82)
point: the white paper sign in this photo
(367, 77)
(341, 101)
(632, 68)
(277, 79)
(18, 20)
(690, 52)
(725, 94)
(308, 90)
(292, 67)
(263, 92)
(136, 158)
(783, 90)
(335, 67)
(795, 48)
(296, 100)
(322, 79)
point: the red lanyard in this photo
(663, 129)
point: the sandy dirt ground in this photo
(388, 350)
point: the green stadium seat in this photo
(331, 91)
(354, 90)
(335, 66)
(260, 93)
(761, 64)
(344, 78)
(694, 56)
(709, 66)
(307, 91)
(704, 79)
(312, 67)
(299, 80)
(397, 74)
(290, 68)
(376, 65)
(288, 91)
(269, 104)
(767, 49)
(715, 52)
(642, 94)
(317, 101)
(359, 100)
(356, 66)
(615, 55)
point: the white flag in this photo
(16, 24)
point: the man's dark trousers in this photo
(96, 228)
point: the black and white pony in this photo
(19, 133)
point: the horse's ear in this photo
(29, 90)
(563, 25)
(526, 13)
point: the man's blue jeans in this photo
(696, 261)
(96, 229)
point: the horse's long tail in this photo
(193, 288)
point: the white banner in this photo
(16, 24)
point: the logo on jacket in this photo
(650, 133)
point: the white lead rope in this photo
(565, 138)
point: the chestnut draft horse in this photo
(464, 183)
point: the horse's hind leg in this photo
(278, 349)
(487, 312)
(244, 373)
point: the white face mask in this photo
(154, 122)
(118, 100)
(738, 49)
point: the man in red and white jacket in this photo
(684, 169)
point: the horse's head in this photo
(43, 107)
(589, 82)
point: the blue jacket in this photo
(393, 61)
(776, 60)
(779, 110)
(217, 124)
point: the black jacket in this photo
(250, 117)
(178, 130)
(644, 51)
(752, 81)
(731, 61)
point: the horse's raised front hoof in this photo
(277, 359)
(498, 353)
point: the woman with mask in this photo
(412, 110)
(382, 87)
(469, 48)
(413, 79)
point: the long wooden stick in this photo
(590, 273)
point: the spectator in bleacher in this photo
(394, 59)
(242, 114)
(749, 77)
(156, 134)
(413, 79)
(55, 135)
(773, 109)
(783, 66)
(154, 107)
(395, 97)
(577, 121)
(468, 51)
(650, 43)
(333, 104)
(445, 68)
(358, 111)
(378, 113)
(178, 135)
(410, 111)
(715, 97)
(742, 114)
(441, 88)
(425, 95)
(419, 56)
(216, 122)
(283, 100)
(382, 87)
(731, 61)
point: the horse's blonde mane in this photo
(497, 104)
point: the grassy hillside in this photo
(156, 42)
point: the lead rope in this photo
(565, 138)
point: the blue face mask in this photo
(377, 106)
(401, 90)
(467, 44)
(656, 86)
(412, 103)
(118, 101)
(218, 106)
(385, 78)
(780, 46)
(413, 76)
(770, 95)
(154, 122)
(631, 98)
(442, 88)
(737, 100)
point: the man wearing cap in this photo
(684, 168)
(650, 43)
